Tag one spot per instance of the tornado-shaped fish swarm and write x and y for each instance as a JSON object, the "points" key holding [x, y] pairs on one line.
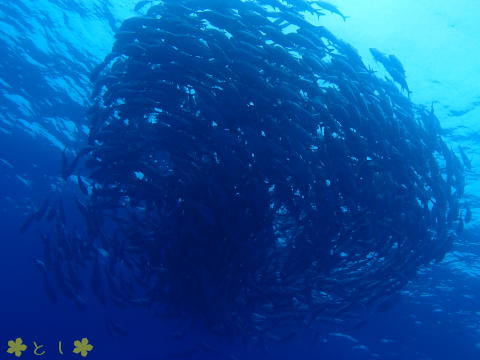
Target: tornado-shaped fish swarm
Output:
{"points": [[247, 169]]}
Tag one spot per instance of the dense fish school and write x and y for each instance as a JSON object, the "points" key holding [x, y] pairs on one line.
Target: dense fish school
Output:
{"points": [[246, 169]]}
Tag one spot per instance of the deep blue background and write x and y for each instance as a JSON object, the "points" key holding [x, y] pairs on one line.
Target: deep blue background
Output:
{"points": [[48, 48]]}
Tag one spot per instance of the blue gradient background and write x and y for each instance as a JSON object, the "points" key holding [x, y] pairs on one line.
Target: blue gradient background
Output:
{"points": [[48, 48]]}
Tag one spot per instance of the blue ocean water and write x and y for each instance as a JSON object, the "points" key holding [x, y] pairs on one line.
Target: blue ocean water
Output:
{"points": [[48, 50]]}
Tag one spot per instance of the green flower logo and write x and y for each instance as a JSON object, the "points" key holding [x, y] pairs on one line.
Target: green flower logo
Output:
{"points": [[82, 347], [16, 347]]}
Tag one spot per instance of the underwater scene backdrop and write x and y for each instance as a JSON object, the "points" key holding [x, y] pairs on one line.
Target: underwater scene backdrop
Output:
{"points": [[239, 179]]}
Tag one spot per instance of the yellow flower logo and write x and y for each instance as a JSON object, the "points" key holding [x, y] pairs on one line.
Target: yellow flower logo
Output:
{"points": [[82, 347], [16, 347]]}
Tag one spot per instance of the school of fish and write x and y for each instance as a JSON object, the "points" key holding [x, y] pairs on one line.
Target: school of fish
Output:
{"points": [[245, 168]]}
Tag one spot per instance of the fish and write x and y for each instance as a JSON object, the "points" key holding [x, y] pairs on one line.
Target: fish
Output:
{"points": [[27, 223], [42, 210], [61, 212], [331, 8], [68, 168], [396, 64], [466, 161], [36, 216], [393, 66], [65, 165], [468, 215], [388, 304], [114, 328], [141, 4], [337, 186], [81, 185], [97, 283]]}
